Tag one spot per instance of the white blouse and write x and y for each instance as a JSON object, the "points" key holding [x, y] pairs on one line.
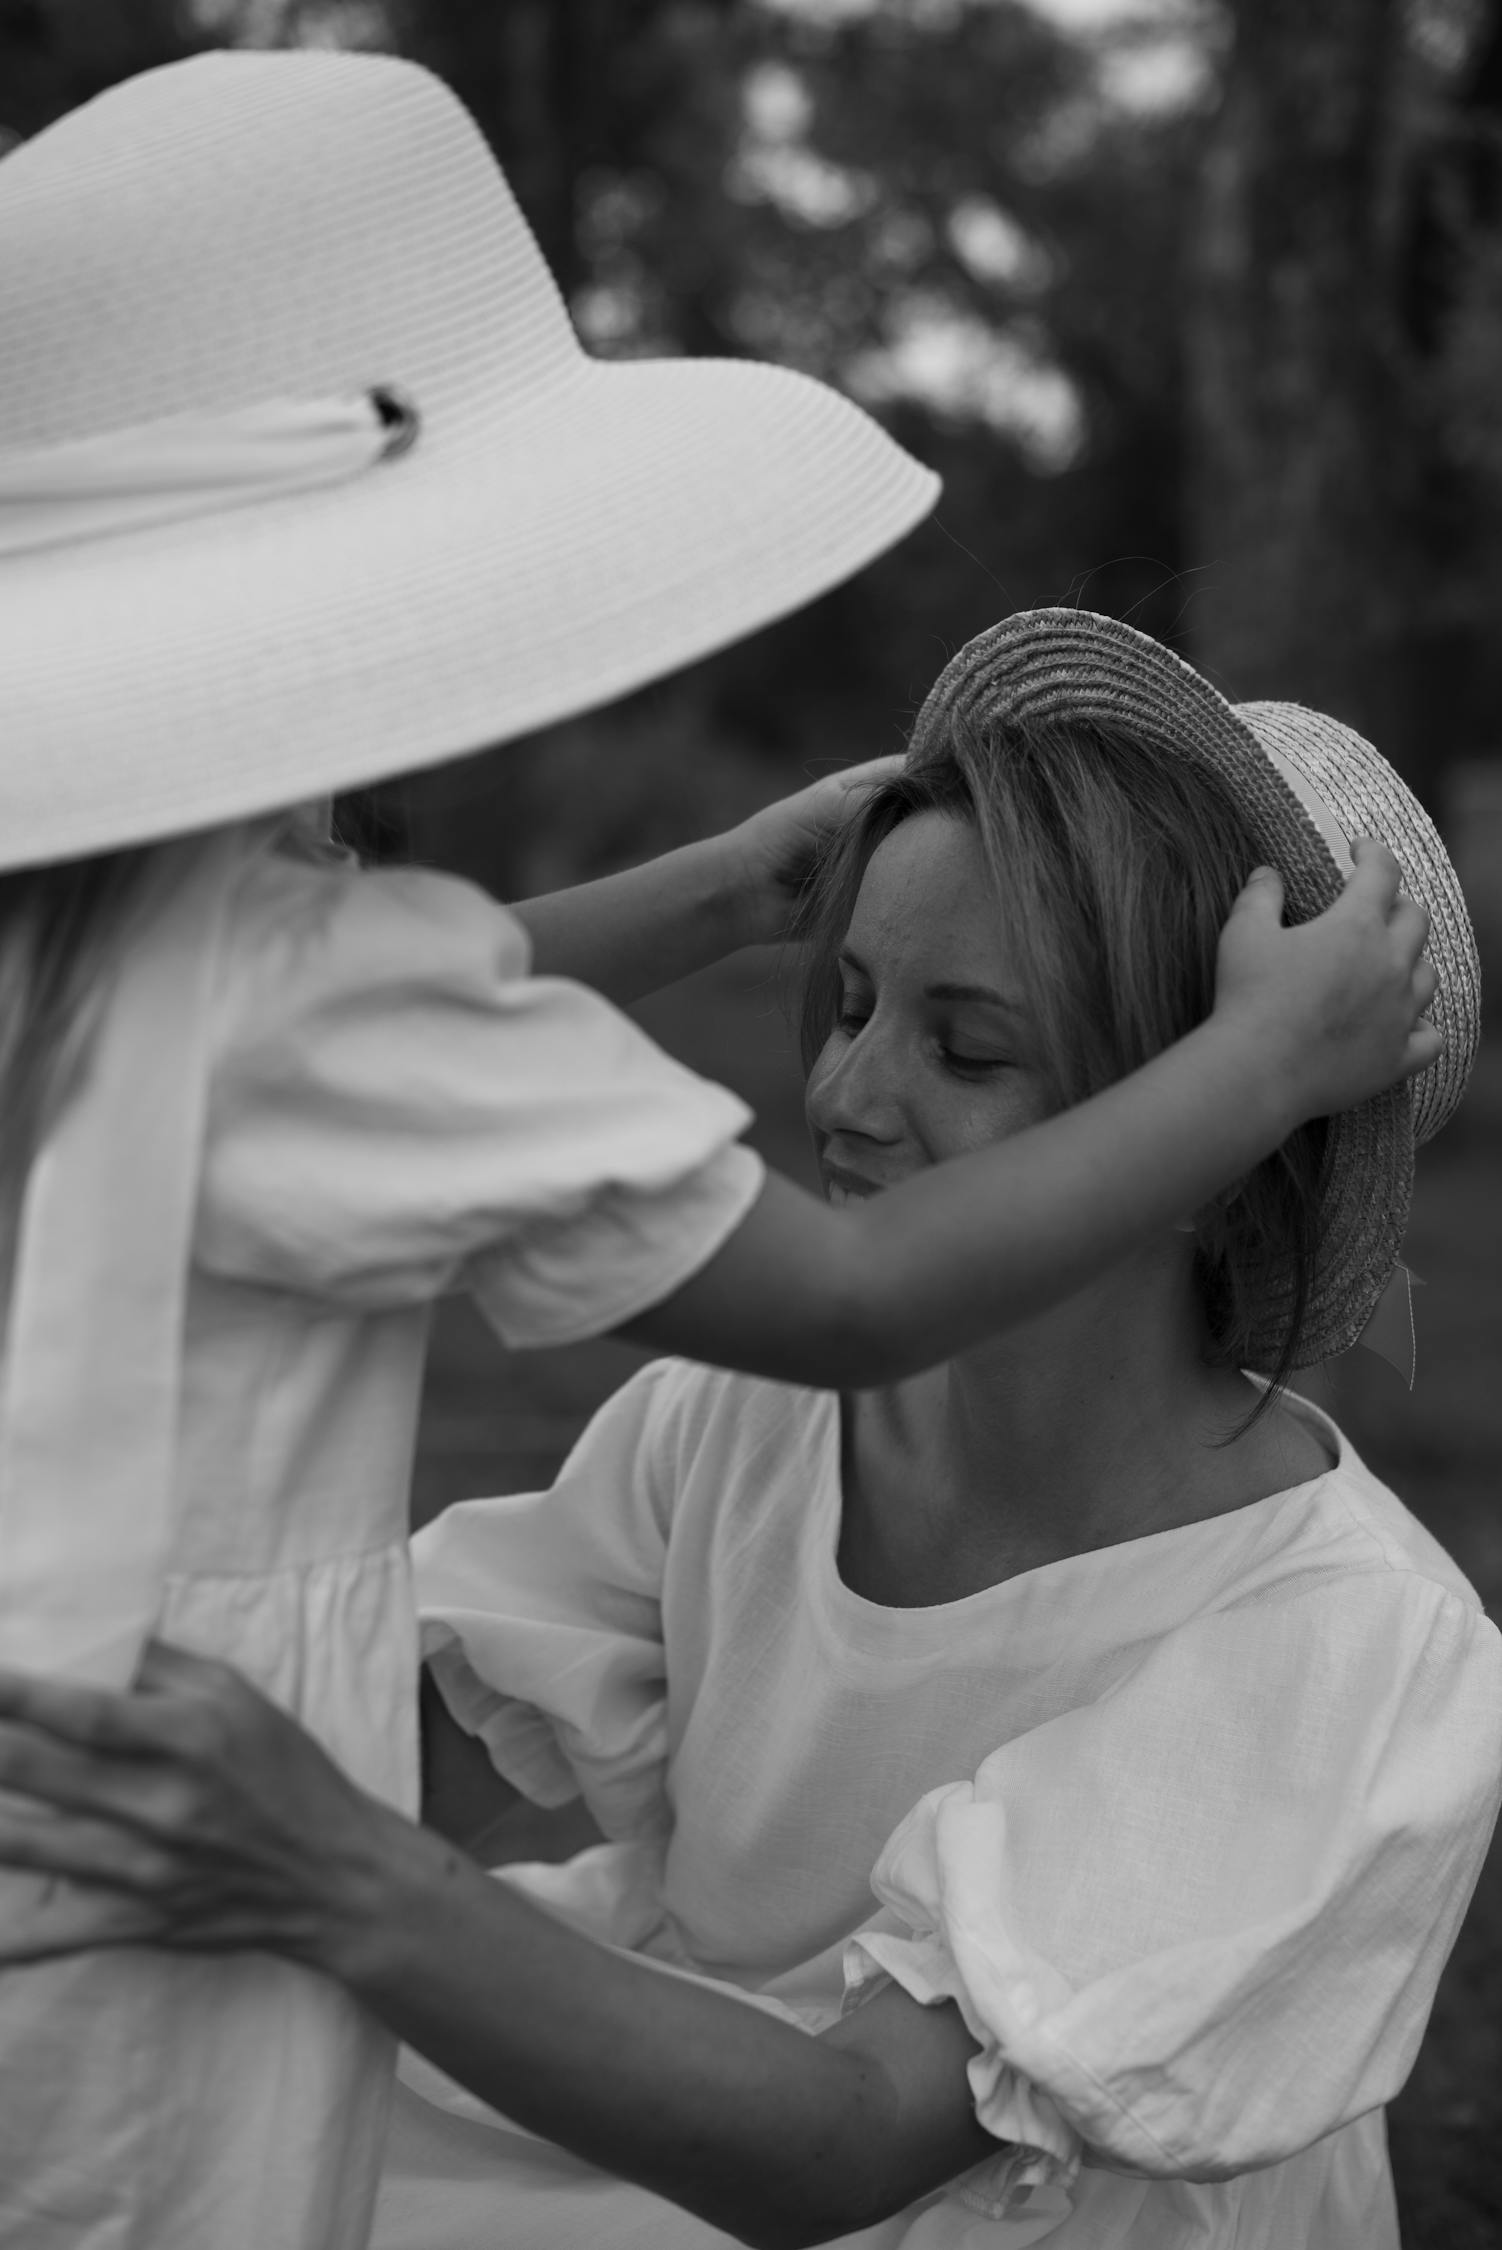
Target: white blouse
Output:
{"points": [[394, 1109], [1185, 1826]]}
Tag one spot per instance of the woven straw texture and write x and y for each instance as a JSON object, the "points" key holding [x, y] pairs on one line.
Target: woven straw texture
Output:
{"points": [[1064, 664], [244, 227]]}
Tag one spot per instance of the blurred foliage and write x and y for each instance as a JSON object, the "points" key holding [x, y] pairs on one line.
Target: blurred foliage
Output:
{"points": [[1199, 314]]}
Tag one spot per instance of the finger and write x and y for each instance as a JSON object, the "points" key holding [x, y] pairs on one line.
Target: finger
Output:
{"points": [[40, 1767], [1375, 878], [1261, 895], [94, 1718], [58, 1775], [870, 772], [166, 1667], [203, 1708], [1425, 985], [1424, 1048], [93, 1851], [75, 1918], [1409, 924]]}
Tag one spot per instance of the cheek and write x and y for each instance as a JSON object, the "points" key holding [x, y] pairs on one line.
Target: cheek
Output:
{"points": [[816, 1085], [963, 1117]]}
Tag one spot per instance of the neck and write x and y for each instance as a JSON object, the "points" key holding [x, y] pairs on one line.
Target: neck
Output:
{"points": [[1099, 1422]]}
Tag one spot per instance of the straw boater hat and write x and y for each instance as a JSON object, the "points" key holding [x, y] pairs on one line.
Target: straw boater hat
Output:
{"points": [[304, 478], [1307, 787]]}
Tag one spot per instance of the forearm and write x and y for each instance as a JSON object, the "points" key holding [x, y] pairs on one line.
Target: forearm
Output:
{"points": [[631, 933], [742, 2119], [851, 1298], [964, 1249]]}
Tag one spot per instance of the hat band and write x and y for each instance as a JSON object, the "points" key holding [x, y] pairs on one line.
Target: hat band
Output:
{"points": [[1333, 836], [185, 465]]}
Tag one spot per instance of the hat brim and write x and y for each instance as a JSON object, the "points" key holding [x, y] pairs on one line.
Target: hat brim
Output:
{"points": [[1061, 665], [506, 573]]}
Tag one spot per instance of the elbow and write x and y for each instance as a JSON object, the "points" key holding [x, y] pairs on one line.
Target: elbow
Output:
{"points": [[804, 2229], [827, 2203]]}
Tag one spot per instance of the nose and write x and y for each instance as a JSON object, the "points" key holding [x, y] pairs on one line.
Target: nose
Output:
{"points": [[854, 1088]]}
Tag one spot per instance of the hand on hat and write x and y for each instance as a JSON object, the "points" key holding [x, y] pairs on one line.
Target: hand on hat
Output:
{"points": [[1339, 1001], [778, 848]]}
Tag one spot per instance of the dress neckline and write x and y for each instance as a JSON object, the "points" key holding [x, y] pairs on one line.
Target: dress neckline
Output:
{"points": [[1147, 1559]]}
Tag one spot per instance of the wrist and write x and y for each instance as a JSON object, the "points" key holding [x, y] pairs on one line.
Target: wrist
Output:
{"points": [[743, 895], [1255, 1068], [372, 1898]]}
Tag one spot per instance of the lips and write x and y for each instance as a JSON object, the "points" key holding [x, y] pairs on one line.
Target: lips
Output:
{"points": [[842, 1186]]}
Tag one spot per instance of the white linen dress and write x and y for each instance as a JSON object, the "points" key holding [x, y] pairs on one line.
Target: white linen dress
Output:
{"points": [[1185, 1826], [395, 1109]]}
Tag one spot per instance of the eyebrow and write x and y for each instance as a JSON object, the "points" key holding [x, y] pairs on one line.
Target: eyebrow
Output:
{"points": [[981, 992], [985, 994]]}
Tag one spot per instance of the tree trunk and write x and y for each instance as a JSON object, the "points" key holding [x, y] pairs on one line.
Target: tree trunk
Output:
{"points": [[1298, 426]]}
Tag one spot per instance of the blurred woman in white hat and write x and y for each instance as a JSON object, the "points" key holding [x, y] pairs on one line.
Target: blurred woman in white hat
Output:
{"points": [[303, 479]]}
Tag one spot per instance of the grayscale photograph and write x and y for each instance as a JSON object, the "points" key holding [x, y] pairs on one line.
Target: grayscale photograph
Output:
{"points": [[750, 1158]]}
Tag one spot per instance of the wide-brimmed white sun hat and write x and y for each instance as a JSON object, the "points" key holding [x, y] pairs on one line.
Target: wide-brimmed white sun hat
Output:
{"points": [[1307, 787], [305, 479]]}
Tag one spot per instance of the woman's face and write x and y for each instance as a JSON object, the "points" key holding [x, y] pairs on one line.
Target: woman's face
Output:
{"points": [[925, 1060]]}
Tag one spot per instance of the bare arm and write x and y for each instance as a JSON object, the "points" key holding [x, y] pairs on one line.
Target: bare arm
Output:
{"points": [[778, 2138], [631, 933], [195, 1814], [1307, 1021]]}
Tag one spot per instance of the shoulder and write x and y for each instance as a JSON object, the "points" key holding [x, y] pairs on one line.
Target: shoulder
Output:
{"points": [[1342, 1607], [1335, 1532], [698, 1445], [1350, 1525], [720, 1443], [326, 931], [740, 1419]]}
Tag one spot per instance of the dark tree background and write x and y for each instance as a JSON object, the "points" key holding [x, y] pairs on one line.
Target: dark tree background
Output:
{"points": [[1200, 315], [1219, 354]]}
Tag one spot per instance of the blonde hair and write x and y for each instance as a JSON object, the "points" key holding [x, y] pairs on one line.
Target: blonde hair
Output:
{"points": [[1114, 871]]}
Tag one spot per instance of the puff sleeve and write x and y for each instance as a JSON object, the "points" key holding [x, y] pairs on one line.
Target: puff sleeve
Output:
{"points": [[541, 1619], [399, 1109], [1198, 1924]]}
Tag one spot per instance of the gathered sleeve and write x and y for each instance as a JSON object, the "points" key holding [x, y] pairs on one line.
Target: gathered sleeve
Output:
{"points": [[541, 1618], [1197, 1925], [399, 1109]]}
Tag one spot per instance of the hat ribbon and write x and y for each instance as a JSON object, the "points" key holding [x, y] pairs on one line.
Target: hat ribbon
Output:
{"points": [[1332, 835], [89, 1399], [1392, 1332], [185, 465]]}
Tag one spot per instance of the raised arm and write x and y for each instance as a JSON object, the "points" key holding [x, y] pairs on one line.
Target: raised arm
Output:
{"points": [[1307, 1021], [631, 933]]}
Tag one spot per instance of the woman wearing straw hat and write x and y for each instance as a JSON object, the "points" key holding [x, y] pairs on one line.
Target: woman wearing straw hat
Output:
{"points": [[1167, 1740]]}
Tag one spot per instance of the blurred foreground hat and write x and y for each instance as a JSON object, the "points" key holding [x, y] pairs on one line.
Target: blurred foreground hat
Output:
{"points": [[1307, 787], [305, 479]]}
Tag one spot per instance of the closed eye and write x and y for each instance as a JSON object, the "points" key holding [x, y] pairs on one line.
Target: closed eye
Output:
{"points": [[973, 1066]]}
